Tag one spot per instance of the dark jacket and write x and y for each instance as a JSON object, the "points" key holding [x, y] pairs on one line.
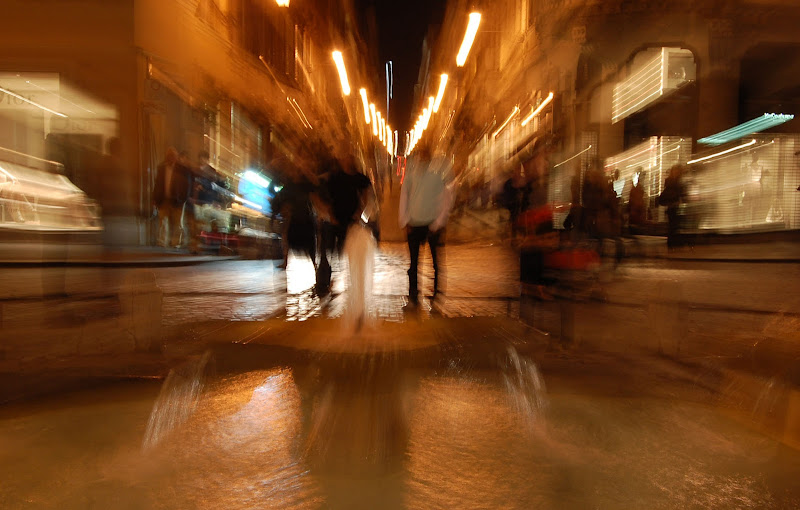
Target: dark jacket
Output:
{"points": [[180, 185]]}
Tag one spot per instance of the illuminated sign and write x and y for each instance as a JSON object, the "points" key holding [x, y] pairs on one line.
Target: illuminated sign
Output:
{"points": [[766, 121], [670, 69]]}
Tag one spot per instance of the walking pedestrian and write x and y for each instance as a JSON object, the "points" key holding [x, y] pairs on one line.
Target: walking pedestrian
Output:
{"points": [[171, 191], [637, 210], [671, 197], [425, 201], [515, 197], [345, 190], [293, 203]]}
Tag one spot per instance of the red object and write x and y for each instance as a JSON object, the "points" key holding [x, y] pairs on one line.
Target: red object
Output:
{"points": [[219, 239], [578, 260], [534, 217]]}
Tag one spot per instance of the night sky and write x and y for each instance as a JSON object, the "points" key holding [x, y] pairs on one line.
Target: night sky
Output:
{"points": [[402, 25]]}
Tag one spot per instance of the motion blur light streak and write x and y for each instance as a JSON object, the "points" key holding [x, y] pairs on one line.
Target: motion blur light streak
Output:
{"points": [[706, 158], [469, 38], [257, 178], [31, 157], [337, 57], [6, 173], [573, 157], [60, 97], [766, 121], [440, 94], [514, 112], [34, 103], [538, 109], [365, 103], [302, 114], [374, 116], [247, 202], [222, 146]]}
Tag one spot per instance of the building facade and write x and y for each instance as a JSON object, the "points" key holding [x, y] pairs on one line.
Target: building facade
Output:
{"points": [[621, 83], [107, 87]]}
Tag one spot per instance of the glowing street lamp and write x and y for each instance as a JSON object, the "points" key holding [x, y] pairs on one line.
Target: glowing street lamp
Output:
{"points": [[365, 103], [538, 109], [442, 85], [469, 38], [337, 57], [374, 119]]}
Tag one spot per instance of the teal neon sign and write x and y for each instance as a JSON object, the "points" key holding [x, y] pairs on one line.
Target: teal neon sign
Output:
{"points": [[766, 121]]}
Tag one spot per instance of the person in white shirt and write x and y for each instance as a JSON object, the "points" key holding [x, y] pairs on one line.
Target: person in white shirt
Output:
{"points": [[425, 201]]}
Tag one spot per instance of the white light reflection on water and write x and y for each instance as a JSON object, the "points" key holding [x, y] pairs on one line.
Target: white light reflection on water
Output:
{"points": [[239, 449], [177, 400], [330, 434]]}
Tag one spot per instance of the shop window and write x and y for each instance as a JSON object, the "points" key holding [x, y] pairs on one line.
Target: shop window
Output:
{"points": [[54, 156]]}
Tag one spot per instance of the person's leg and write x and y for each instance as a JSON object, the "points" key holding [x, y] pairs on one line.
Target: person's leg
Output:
{"points": [[672, 227], [416, 235], [326, 247], [193, 226], [436, 242], [163, 226], [176, 225]]}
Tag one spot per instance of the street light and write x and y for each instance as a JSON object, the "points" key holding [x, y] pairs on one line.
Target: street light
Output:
{"points": [[374, 119], [364, 102], [442, 85], [469, 37], [538, 109], [337, 57]]}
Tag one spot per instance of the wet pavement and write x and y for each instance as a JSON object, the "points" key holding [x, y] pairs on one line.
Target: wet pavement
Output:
{"points": [[482, 415], [272, 399]]}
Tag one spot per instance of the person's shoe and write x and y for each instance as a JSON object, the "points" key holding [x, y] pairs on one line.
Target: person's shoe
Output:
{"points": [[411, 306]]}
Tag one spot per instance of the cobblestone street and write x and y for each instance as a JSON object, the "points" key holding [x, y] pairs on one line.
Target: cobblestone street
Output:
{"points": [[481, 280]]}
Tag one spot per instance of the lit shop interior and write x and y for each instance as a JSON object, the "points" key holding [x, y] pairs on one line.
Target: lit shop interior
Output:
{"points": [[53, 141]]}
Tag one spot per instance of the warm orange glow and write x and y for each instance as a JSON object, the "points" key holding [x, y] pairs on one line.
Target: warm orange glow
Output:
{"points": [[469, 38], [365, 104], [442, 85], [374, 119], [538, 109], [337, 57]]}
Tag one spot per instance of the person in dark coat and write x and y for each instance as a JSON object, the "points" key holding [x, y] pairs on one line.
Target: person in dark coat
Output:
{"points": [[172, 187], [293, 204], [344, 190], [671, 197], [515, 197], [637, 208]]}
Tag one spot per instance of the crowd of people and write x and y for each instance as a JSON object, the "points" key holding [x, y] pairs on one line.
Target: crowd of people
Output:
{"points": [[321, 210]]}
